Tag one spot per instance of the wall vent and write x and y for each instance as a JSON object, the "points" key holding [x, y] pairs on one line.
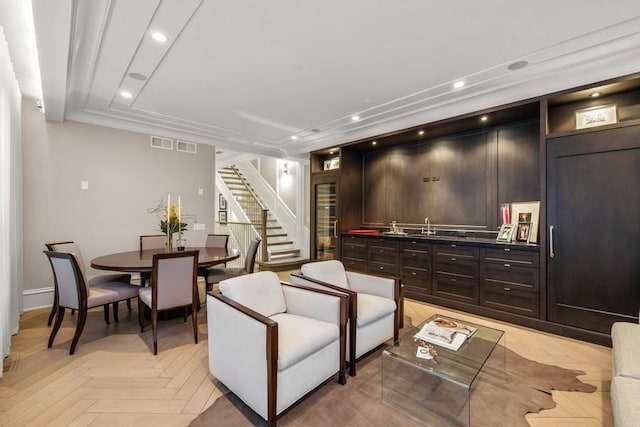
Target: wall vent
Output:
{"points": [[186, 147], [163, 143]]}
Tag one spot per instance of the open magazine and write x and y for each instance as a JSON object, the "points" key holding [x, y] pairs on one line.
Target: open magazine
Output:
{"points": [[445, 333]]}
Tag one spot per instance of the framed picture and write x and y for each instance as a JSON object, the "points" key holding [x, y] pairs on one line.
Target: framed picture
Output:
{"points": [[505, 233], [596, 116], [222, 216], [523, 232], [333, 163], [223, 203], [528, 212]]}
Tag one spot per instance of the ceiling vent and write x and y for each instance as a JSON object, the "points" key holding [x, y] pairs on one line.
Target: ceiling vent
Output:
{"points": [[186, 147], [163, 143]]}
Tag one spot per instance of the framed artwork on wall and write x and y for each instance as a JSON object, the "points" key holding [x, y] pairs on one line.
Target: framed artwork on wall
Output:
{"points": [[222, 216], [223, 203], [596, 116]]}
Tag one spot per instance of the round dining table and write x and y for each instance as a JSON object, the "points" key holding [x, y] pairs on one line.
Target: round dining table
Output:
{"points": [[141, 261]]}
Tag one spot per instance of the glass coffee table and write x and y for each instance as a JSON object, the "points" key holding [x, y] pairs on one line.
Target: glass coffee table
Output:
{"points": [[438, 391]]}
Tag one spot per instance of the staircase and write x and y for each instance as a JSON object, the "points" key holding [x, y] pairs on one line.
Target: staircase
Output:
{"points": [[280, 248]]}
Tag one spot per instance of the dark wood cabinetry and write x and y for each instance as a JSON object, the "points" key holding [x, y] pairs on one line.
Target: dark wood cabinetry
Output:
{"points": [[415, 268], [509, 281], [456, 272], [593, 256]]}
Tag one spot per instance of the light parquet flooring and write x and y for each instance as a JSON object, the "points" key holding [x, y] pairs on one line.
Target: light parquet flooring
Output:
{"points": [[114, 379]]}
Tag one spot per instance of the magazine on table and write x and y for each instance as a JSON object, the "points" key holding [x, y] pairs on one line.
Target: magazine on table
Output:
{"points": [[446, 333]]}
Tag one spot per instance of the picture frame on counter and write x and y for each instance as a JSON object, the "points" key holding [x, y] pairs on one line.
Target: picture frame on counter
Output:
{"points": [[596, 116], [523, 232], [506, 232], [529, 211]]}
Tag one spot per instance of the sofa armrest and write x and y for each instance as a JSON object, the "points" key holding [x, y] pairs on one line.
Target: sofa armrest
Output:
{"points": [[387, 287], [243, 348]]}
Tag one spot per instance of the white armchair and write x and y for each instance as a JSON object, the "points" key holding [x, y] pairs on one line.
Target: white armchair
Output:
{"points": [[374, 304], [271, 343]]}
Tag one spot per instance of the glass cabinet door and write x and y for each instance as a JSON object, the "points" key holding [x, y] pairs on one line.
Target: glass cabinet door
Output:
{"points": [[326, 225]]}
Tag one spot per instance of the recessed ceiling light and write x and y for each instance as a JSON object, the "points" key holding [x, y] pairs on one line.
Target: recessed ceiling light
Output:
{"points": [[293, 137], [331, 152], [459, 84], [126, 94], [595, 94], [517, 65], [138, 76], [374, 142], [420, 132], [484, 118], [159, 37], [355, 118]]}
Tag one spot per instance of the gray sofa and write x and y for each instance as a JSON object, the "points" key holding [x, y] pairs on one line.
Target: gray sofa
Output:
{"points": [[625, 374]]}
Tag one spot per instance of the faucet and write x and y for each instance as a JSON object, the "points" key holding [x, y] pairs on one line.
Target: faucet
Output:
{"points": [[428, 232], [394, 229]]}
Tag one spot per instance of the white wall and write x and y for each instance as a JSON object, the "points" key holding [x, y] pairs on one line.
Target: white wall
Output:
{"points": [[125, 176]]}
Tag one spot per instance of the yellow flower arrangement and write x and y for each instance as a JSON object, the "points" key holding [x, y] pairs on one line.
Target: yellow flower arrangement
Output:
{"points": [[173, 224]]}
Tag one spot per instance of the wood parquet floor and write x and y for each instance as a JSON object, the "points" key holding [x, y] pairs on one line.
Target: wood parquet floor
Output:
{"points": [[114, 379]]}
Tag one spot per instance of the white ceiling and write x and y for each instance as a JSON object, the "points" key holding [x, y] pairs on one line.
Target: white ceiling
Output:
{"points": [[247, 75]]}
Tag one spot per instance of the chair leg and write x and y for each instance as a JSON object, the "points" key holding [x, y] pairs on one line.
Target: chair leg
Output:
{"points": [[82, 318], [54, 307], [115, 312], [154, 327], [56, 326], [129, 304], [194, 320], [141, 314], [106, 314], [186, 313]]}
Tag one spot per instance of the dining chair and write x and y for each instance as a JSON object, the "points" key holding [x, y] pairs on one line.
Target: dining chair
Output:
{"points": [[72, 247], [153, 241], [75, 293], [173, 285], [147, 242], [216, 275]]}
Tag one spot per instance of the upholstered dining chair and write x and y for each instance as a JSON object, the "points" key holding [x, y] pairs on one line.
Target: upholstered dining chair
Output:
{"points": [[74, 248], [216, 275], [75, 293], [374, 303], [271, 343], [147, 242], [173, 285]]}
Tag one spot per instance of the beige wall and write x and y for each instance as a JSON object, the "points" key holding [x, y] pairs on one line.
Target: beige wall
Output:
{"points": [[126, 177]]}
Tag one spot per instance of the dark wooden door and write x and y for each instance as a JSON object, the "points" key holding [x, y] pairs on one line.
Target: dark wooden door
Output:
{"points": [[593, 257]]}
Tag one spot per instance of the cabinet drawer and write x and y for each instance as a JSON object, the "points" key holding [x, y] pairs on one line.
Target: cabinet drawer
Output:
{"points": [[455, 287], [382, 242], [511, 256], [353, 240], [383, 254], [353, 250], [353, 264], [453, 265], [523, 277], [455, 250], [416, 245], [383, 269], [416, 277], [417, 259], [510, 298]]}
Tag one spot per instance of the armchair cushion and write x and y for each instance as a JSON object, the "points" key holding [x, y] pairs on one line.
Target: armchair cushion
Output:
{"points": [[625, 337], [267, 298], [372, 308], [300, 337], [328, 271]]}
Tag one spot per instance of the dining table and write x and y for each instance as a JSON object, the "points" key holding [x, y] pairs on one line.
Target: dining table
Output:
{"points": [[141, 261]]}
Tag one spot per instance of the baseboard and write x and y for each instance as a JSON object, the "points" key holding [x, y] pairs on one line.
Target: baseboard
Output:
{"points": [[35, 299]]}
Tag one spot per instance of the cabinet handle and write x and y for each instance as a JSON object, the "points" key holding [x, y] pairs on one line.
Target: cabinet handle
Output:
{"points": [[507, 289], [551, 252], [454, 259], [453, 245], [335, 228], [413, 273], [453, 280], [507, 265], [413, 255], [381, 268], [507, 250]]}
